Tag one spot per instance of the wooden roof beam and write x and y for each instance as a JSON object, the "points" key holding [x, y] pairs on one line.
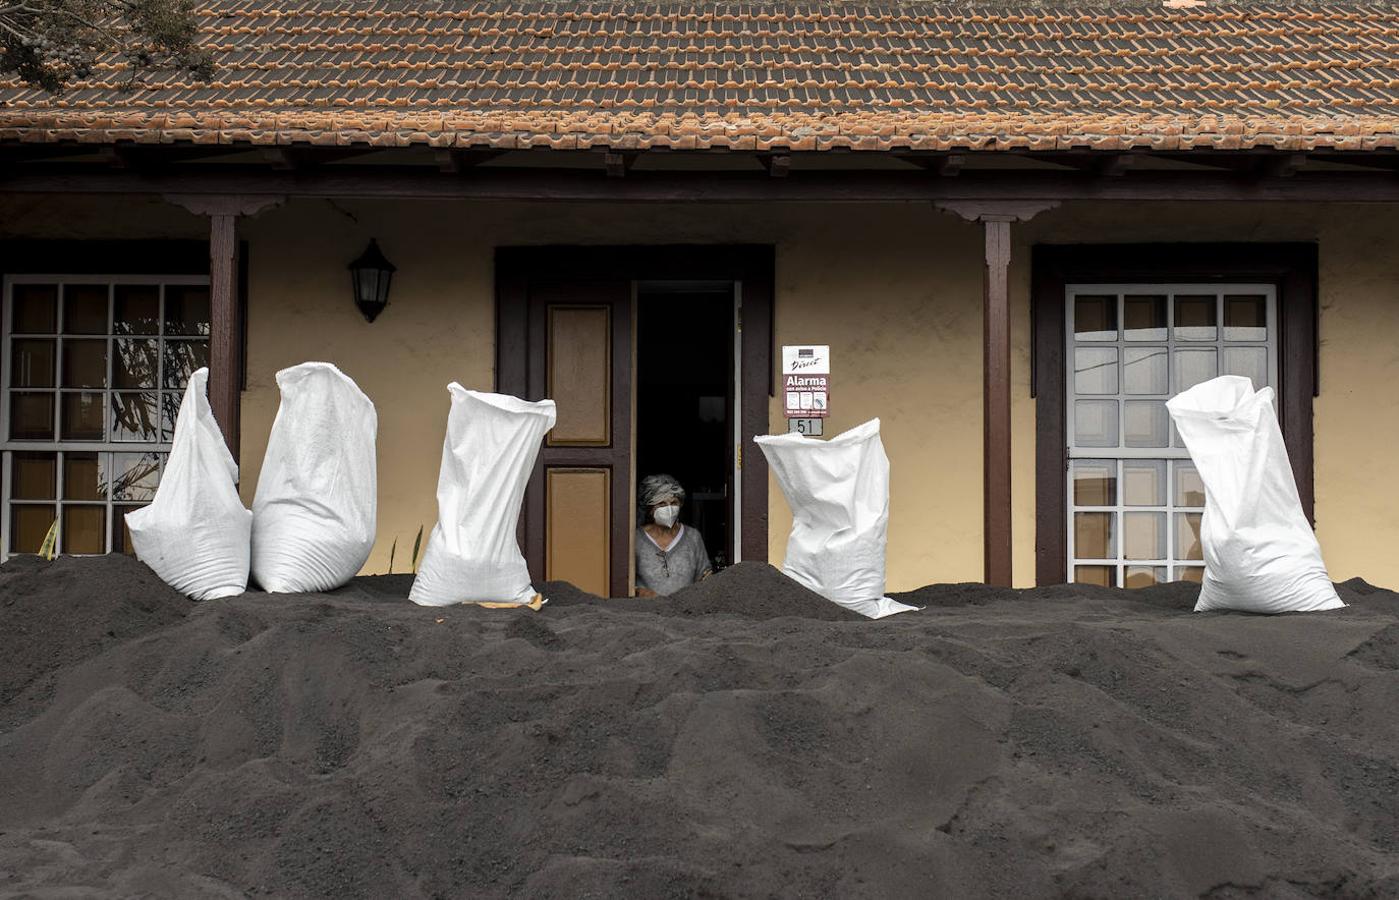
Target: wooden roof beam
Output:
{"points": [[949, 164], [617, 163], [778, 165], [455, 161]]}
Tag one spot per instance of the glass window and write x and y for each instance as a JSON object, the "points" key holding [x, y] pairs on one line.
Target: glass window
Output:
{"points": [[96, 373], [1136, 501]]}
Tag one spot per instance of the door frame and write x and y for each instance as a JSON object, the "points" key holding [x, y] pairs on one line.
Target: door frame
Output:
{"points": [[751, 266], [1290, 267]]}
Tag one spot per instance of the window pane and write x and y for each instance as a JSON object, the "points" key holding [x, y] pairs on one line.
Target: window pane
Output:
{"points": [[1095, 370], [1194, 367], [181, 359], [1095, 317], [31, 416], [1245, 317], [169, 414], [1190, 489], [1095, 423], [82, 416], [121, 535], [1144, 370], [1147, 424], [84, 529], [1144, 535], [32, 363], [136, 417], [135, 476], [1188, 536], [1093, 535], [85, 364], [35, 308], [1143, 576], [84, 309], [29, 525], [82, 477], [187, 309], [1196, 317], [1144, 317], [33, 476], [1095, 482], [137, 309], [1190, 573], [1250, 362], [136, 364], [1144, 482], [1103, 576]]}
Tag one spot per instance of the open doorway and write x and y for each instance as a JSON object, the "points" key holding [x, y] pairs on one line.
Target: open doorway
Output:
{"points": [[685, 408]]}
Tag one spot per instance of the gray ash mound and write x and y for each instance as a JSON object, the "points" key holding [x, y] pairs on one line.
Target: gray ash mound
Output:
{"points": [[55, 614], [749, 589], [1058, 742]]}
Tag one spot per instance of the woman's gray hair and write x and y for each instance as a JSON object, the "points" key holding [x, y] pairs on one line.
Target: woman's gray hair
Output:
{"points": [[655, 488]]}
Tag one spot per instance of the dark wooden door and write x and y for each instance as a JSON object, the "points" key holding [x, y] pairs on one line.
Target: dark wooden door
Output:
{"points": [[578, 508]]}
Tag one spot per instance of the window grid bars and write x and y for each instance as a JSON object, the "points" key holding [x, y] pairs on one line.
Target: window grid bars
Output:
{"points": [[58, 446], [1173, 452]]}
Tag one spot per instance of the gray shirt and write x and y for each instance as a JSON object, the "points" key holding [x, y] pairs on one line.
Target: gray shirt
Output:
{"points": [[666, 571]]}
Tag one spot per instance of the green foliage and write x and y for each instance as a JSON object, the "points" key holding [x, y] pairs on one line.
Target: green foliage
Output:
{"points": [[393, 548], [51, 43], [49, 548], [418, 542]]}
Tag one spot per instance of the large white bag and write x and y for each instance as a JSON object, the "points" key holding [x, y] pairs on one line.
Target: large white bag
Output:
{"points": [[1260, 554], [313, 514], [195, 533], [839, 494], [472, 555]]}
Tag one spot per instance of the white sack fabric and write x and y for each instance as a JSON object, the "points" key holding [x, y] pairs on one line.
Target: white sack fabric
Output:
{"points": [[1261, 556], [839, 494], [195, 533], [313, 514], [472, 555]]}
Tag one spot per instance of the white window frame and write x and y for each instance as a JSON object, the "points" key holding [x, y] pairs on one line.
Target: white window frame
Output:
{"points": [[59, 446], [1170, 454]]}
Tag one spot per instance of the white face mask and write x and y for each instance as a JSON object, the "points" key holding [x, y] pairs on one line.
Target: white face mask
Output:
{"points": [[666, 516]]}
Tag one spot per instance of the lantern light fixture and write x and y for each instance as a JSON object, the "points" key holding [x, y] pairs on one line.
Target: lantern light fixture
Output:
{"points": [[370, 275]]}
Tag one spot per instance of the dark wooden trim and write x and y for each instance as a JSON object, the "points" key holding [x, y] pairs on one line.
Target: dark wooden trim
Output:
{"points": [[880, 186], [77, 257], [242, 316], [225, 327], [995, 419], [750, 265], [1291, 267]]}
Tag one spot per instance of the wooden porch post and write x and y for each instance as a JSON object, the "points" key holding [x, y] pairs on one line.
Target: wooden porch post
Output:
{"points": [[995, 404], [995, 219], [225, 315]]}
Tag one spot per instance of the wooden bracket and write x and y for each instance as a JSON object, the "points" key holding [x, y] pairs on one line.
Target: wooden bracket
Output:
{"points": [[226, 204], [456, 161], [617, 163], [996, 210], [777, 164]]}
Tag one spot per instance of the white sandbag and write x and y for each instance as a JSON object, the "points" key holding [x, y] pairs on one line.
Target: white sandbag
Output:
{"points": [[472, 555], [195, 533], [1261, 556], [839, 494], [314, 511]]}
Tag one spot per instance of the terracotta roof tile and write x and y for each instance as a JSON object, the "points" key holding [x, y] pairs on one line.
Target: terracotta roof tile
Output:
{"points": [[770, 75]]}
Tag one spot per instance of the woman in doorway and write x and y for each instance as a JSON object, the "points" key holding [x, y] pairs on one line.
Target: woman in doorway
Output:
{"points": [[669, 556]]}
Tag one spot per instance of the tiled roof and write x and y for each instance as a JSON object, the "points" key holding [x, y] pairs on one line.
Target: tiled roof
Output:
{"points": [[758, 75]]}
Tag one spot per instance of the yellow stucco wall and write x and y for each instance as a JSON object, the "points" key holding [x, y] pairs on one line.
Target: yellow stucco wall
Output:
{"points": [[894, 289]]}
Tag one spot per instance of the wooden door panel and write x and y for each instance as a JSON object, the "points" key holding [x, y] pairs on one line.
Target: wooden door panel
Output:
{"points": [[580, 374], [579, 530]]}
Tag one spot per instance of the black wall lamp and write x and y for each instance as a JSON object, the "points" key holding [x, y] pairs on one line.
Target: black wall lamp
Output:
{"points": [[370, 275]]}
